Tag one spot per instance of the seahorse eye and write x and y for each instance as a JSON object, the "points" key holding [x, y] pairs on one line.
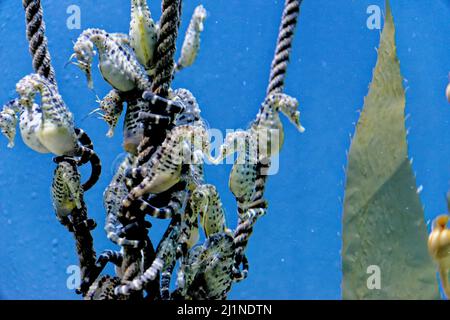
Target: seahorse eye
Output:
{"points": [[198, 195], [25, 100]]}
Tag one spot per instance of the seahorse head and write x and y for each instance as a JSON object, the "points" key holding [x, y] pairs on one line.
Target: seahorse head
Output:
{"points": [[289, 107], [8, 122], [199, 200], [191, 111], [27, 88], [84, 53], [212, 216], [110, 110], [199, 16]]}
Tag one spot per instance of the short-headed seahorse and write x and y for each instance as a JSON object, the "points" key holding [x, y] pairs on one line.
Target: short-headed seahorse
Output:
{"points": [[110, 109], [8, 122], [67, 192], [164, 167], [191, 44], [56, 130], [118, 63], [143, 33], [268, 127], [206, 272], [206, 202]]}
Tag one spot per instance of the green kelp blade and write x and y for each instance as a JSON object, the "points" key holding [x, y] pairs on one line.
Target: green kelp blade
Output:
{"points": [[384, 252]]}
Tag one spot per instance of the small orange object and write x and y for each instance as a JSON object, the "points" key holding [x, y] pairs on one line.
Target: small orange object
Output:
{"points": [[439, 249]]}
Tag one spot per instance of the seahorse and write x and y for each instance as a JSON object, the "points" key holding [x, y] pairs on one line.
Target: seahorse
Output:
{"points": [[8, 122], [67, 192], [56, 131], [191, 43], [206, 202], [112, 200], [164, 262], [52, 124], [207, 271], [118, 63], [110, 109], [268, 127], [29, 123], [164, 167], [247, 180], [143, 33]]}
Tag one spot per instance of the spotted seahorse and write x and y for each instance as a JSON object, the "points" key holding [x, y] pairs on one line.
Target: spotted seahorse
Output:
{"points": [[191, 43], [143, 33], [118, 63]]}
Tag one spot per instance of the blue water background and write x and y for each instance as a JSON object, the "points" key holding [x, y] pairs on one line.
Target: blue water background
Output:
{"points": [[295, 249]]}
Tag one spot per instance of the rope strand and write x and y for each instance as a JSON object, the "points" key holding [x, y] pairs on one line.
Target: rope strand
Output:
{"points": [[284, 44], [165, 53], [41, 60], [166, 46], [37, 40]]}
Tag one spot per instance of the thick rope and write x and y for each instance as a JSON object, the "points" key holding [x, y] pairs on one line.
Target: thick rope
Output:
{"points": [[84, 241], [278, 69], [37, 40], [165, 53], [166, 46], [276, 85], [38, 47], [284, 44]]}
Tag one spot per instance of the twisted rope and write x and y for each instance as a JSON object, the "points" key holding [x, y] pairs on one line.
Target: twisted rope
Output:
{"points": [[37, 40], [165, 52], [41, 60], [276, 85], [278, 70], [284, 44], [84, 242], [166, 46]]}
